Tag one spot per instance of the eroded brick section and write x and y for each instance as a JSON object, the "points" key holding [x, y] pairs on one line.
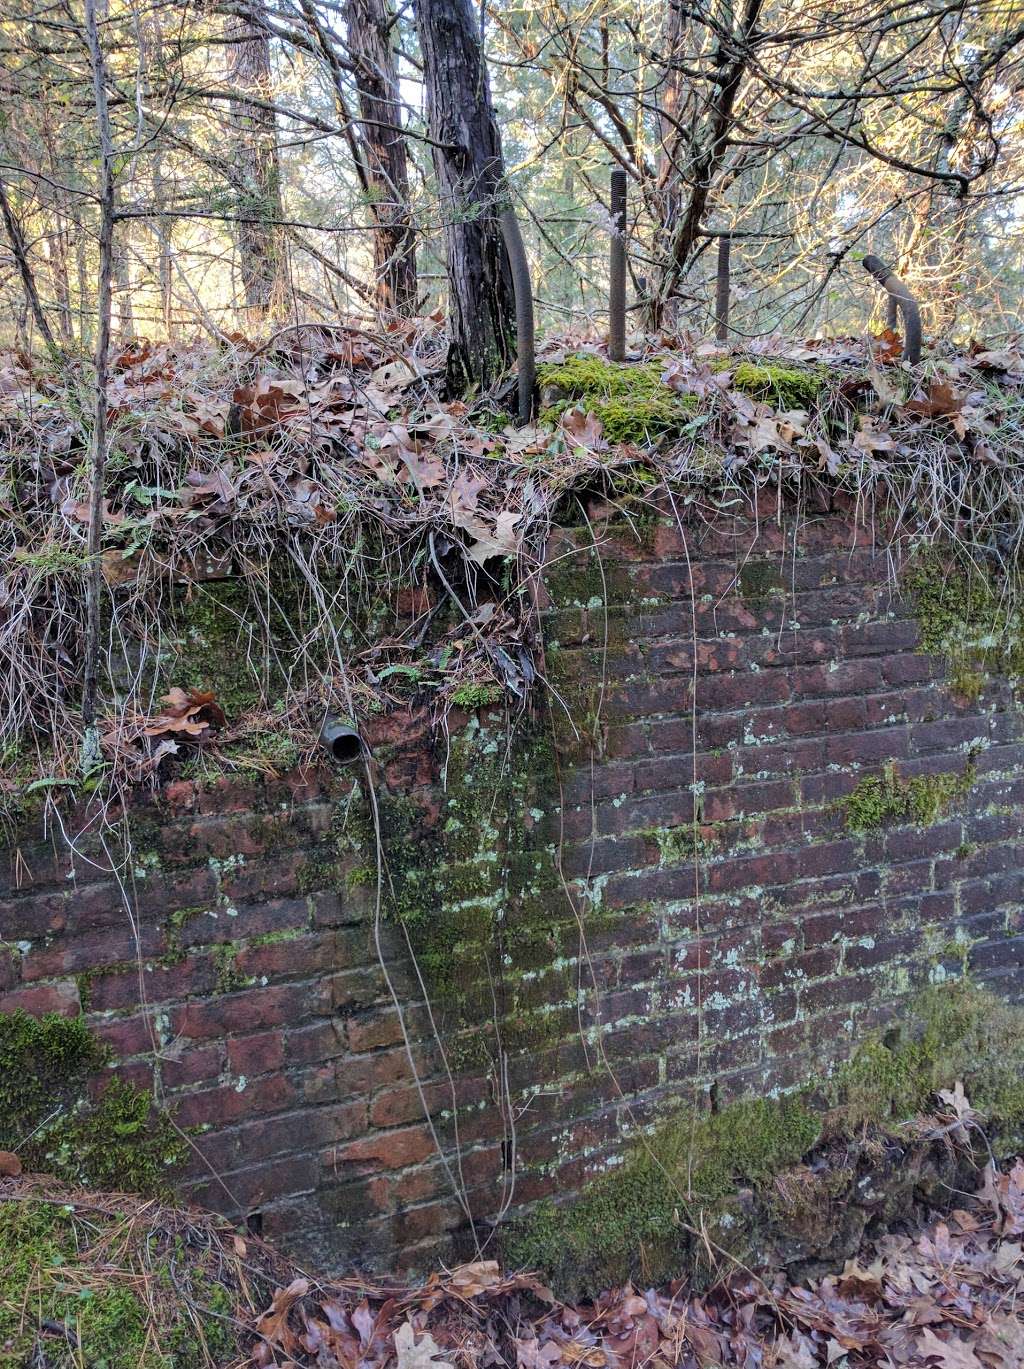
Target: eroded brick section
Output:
{"points": [[741, 960]]}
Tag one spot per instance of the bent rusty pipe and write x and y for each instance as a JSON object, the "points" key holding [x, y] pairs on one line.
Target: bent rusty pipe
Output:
{"points": [[617, 269], [722, 288], [523, 290], [900, 296]]}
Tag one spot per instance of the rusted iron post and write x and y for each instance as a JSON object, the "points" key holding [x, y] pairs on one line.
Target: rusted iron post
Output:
{"points": [[617, 269], [722, 288], [905, 301], [524, 311]]}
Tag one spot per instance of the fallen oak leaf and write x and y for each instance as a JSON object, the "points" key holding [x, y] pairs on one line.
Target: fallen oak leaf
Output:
{"points": [[942, 401], [273, 1326], [422, 1355]]}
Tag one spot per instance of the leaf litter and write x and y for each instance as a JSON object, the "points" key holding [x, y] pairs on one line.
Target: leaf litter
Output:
{"points": [[945, 1297]]}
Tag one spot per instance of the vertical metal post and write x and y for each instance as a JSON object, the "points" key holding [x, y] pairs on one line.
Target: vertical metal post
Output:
{"points": [[617, 269], [722, 288]]}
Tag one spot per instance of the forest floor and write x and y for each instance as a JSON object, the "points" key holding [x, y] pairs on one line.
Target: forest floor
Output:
{"points": [[111, 1281]]}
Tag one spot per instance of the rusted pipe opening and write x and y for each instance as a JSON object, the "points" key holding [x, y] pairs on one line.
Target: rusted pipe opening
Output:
{"points": [[901, 296], [342, 741]]}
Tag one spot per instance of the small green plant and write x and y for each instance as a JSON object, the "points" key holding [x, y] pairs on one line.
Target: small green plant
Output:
{"points": [[474, 695]]}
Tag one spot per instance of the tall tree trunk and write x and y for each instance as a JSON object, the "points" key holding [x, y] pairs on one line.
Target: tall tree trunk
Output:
{"points": [[57, 257], [394, 243], [260, 240], [470, 176], [124, 308]]}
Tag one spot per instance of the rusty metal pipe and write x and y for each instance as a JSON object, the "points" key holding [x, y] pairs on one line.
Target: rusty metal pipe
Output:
{"points": [[904, 300], [341, 741], [617, 269], [722, 288], [523, 288]]}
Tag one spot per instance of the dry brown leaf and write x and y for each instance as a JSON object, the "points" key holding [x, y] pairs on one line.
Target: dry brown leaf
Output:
{"points": [[10, 1165]]}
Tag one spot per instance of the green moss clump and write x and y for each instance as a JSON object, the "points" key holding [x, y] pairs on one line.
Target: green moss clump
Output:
{"points": [[474, 695], [678, 844], [923, 799], [646, 1220], [784, 387], [118, 1140], [632, 402]]}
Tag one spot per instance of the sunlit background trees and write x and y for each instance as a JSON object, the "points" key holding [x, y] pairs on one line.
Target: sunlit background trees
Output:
{"points": [[283, 160]]}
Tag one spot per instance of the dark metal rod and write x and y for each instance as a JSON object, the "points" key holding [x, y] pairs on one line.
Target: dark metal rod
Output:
{"points": [[722, 288], [906, 303], [524, 311], [617, 269]]}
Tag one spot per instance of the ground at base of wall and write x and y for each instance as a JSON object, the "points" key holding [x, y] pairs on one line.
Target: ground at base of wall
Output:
{"points": [[115, 1283]]}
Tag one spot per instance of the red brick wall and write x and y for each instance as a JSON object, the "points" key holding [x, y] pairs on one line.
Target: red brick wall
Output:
{"points": [[264, 1014]]}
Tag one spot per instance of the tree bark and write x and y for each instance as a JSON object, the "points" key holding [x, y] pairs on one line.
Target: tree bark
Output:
{"points": [[259, 237], [394, 242], [470, 175]]}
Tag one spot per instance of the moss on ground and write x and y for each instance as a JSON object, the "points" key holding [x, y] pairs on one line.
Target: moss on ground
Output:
{"points": [[121, 1304], [783, 387], [632, 402], [923, 799], [117, 1139], [645, 1220]]}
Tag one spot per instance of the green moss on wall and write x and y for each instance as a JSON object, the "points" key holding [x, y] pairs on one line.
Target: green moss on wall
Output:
{"points": [[637, 1221], [968, 616], [760, 582], [646, 1220], [953, 1033], [475, 890], [117, 1140], [631, 401], [923, 799]]}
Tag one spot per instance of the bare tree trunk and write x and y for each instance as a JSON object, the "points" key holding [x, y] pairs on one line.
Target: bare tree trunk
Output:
{"points": [[704, 166], [98, 449], [123, 288], [260, 240], [394, 242], [470, 175], [57, 257], [28, 281]]}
